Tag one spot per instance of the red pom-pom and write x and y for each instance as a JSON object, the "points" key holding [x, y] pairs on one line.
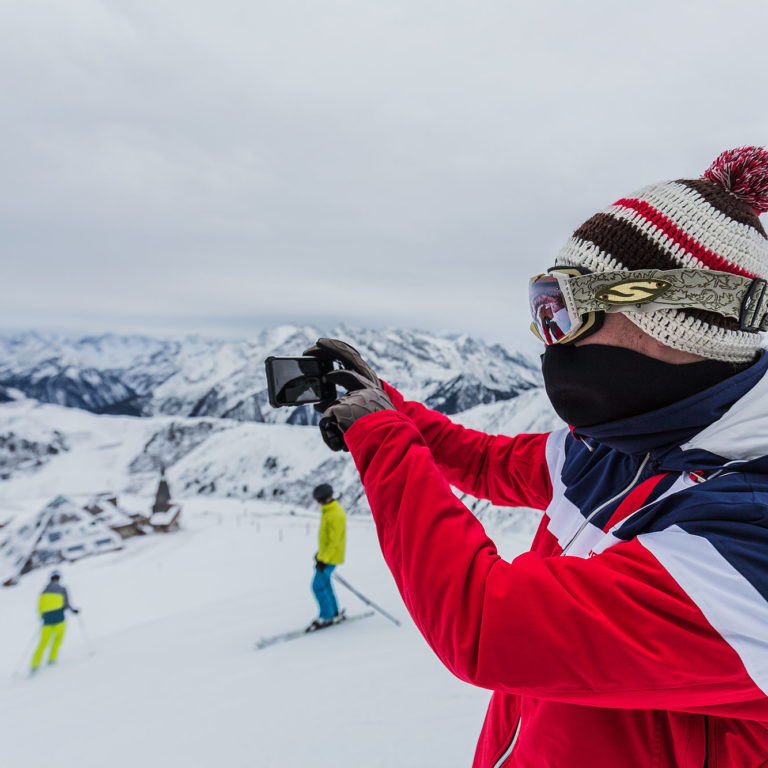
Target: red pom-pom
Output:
{"points": [[743, 171]]}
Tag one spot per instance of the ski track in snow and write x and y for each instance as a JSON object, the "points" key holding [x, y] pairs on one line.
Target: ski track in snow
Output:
{"points": [[167, 673]]}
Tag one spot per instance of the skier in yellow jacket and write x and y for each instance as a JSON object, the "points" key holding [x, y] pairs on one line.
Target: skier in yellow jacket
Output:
{"points": [[53, 602], [330, 553]]}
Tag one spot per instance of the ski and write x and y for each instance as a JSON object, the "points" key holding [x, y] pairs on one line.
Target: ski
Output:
{"points": [[284, 637]]}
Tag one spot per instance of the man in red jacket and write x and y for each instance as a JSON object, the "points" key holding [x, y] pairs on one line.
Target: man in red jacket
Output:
{"points": [[635, 631]]}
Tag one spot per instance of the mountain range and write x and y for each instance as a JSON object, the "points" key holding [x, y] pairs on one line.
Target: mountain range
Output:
{"points": [[104, 413], [140, 376]]}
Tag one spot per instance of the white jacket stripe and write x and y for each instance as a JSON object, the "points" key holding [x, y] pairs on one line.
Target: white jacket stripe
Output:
{"points": [[728, 601]]}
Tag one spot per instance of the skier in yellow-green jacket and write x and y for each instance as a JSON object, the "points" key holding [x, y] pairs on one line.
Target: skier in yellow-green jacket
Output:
{"points": [[332, 539], [51, 605]]}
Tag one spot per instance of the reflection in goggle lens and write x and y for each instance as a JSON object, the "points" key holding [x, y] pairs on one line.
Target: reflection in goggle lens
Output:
{"points": [[548, 310]]}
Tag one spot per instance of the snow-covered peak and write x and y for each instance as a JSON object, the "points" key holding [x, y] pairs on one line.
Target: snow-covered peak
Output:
{"points": [[138, 375]]}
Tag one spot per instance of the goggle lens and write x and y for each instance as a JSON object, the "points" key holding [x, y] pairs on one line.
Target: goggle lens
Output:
{"points": [[551, 321]]}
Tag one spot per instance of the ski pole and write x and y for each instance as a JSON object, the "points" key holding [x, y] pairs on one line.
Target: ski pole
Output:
{"points": [[345, 583], [86, 637], [25, 657]]}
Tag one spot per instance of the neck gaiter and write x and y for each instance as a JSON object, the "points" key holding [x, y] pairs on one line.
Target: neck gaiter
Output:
{"points": [[596, 383]]}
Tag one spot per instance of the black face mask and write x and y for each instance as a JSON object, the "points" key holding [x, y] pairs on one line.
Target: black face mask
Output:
{"points": [[595, 384]]}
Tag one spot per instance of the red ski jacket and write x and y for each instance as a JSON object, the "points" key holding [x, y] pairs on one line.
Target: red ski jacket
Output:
{"points": [[646, 645]]}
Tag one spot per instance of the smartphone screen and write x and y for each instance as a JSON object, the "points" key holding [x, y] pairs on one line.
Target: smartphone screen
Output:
{"points": [[298, 380]]}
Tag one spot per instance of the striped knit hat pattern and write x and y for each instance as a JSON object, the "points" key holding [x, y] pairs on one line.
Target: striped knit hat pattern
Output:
{"points": [[707, 223]]}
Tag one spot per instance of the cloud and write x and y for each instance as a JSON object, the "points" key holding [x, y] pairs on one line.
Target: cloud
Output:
{"points": [[401, 161]]}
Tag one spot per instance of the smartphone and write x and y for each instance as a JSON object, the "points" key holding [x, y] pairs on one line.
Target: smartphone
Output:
{"points": [[298, 380]]}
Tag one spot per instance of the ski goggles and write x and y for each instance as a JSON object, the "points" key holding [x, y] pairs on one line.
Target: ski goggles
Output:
{"points": [[569, 303]]}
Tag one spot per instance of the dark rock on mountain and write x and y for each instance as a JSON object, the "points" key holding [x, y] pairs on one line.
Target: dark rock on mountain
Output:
{"points": [[18, 453], [465, 391], [169, 445], [87, 389]]}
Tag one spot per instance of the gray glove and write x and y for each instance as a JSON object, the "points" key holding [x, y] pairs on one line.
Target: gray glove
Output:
{"points": [[342, 352], [363, 397]]}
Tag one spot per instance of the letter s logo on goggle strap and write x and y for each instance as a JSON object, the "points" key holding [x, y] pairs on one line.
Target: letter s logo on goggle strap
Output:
{"points": [[633, 291]]}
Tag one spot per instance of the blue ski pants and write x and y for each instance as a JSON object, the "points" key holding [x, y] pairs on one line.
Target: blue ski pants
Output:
{"points": [[324, 594]]}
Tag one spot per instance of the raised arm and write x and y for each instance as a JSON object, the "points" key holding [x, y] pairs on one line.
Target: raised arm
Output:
{"points": [[559, 628], [510, 471]]}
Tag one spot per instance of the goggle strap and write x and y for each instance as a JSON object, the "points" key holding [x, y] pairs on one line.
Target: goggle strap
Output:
{"points": [[647, 290], [754, 308]]}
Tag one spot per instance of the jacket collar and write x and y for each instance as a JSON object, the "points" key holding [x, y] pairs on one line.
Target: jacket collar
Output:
{"points": [[704, 415]]}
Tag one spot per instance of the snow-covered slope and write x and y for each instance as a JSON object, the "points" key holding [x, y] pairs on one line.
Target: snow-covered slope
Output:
{"points": [[77, 454], [205, 416], [162, 670]]}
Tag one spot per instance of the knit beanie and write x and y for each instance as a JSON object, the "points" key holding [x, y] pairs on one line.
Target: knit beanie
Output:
{"points": [[707, 223]]}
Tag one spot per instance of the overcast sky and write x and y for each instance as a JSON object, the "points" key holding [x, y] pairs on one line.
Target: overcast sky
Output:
{"points": [[216, 167]]}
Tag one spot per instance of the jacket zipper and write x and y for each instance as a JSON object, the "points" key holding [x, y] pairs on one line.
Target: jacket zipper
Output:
{"points": [[706, 741], [508, 750], [606, 503]]}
